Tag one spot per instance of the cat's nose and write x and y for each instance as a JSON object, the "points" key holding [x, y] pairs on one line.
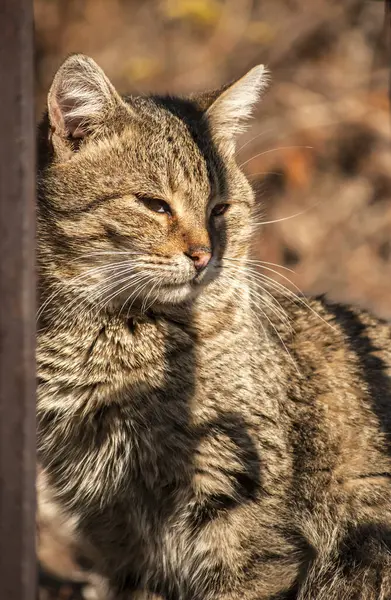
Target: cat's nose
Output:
{"points": [[200, 257]]}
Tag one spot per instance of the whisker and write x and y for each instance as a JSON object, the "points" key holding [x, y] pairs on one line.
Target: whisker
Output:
{"points": [[298, 298], [279, 174], [127, 252], [254, 138], [280, 338], [302, 212], [235, 284], [136, 293], [144, 306], [277, 310], [157, 295], [94, 291], [259, 262], [77, 278], [97, 290], [107, 253], [129, 280], [272, 150], [101, 269]]}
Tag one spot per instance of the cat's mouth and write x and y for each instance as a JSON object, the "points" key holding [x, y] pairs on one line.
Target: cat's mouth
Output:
{"points": [[172, 292], [178, 286]]}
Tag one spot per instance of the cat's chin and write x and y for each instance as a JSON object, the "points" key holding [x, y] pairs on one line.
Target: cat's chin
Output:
{"points": [[177, 293], [168, 294]]}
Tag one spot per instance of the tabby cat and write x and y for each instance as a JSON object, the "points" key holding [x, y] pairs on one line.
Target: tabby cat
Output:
{"points": [[200, 437]]}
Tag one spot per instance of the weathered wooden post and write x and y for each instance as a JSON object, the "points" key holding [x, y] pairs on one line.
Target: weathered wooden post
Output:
{"points": [[17, 302], [387, 27]]}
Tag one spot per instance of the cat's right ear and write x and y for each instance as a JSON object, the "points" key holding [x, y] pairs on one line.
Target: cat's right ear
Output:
{"points": [[80, 100], [229, 108]]}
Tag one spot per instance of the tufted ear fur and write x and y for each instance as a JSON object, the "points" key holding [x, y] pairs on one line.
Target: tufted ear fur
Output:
{"points": [[81, 98], [228, 113]]}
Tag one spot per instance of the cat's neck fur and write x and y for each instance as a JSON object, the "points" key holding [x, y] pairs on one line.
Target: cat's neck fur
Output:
{"points": [[71, 310], [136, 384], [104, 349]]}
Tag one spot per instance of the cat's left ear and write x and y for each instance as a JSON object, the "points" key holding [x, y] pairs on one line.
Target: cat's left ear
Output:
{"points": [[229, 112]]}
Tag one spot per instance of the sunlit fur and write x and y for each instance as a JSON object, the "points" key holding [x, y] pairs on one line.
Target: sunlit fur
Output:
{"points": [[201, 435]]}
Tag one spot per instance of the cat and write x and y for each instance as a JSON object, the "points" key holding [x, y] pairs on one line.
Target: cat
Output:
{"points": [[205, 437]]}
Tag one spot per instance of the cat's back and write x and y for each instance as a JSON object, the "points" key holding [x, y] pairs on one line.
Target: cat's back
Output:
{"points": [[339, 404], [342, 343]]}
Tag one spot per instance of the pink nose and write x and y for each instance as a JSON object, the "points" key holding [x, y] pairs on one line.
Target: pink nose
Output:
{"points": [[200, 257]]}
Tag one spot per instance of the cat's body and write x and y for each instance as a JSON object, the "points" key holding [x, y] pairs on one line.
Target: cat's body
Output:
{"points": [[199, 452]]}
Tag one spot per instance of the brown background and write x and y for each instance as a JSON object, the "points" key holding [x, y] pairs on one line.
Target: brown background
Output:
{"points": [[320, 141], [329, 91]]}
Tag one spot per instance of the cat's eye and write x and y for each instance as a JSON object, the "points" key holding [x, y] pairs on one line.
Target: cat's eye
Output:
{"points": [[155, 204], [219, 209]]}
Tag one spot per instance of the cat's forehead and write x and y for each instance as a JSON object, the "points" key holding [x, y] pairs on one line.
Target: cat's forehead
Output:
{"points": [[170, 151], [153, 152]]}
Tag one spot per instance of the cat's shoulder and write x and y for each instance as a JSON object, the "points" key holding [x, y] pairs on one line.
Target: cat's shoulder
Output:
{"points": [[338, 327]]}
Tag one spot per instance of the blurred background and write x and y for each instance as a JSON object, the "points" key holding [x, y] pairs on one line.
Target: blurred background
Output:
{"points": [[320, 141], [318, 151]]}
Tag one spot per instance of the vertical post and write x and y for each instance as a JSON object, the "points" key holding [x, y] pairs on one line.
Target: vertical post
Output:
{"points": [[17, 296], [387, 33]]}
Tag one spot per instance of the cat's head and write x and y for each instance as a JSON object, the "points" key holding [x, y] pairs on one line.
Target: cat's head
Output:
{"points": [[141, 198]]}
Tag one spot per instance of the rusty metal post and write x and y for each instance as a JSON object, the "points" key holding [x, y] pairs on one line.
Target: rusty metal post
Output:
{"points": [[17, 302]]}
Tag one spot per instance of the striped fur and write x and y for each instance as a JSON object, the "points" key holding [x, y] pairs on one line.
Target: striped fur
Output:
{"points": [[201, 447]]}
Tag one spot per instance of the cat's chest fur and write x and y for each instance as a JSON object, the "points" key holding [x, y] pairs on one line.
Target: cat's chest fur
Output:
{"points": [[149, 420], [138, 392]]}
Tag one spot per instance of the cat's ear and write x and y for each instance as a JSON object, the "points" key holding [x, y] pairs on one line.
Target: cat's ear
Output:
{"points": [[81, 98], [229, 112]]}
